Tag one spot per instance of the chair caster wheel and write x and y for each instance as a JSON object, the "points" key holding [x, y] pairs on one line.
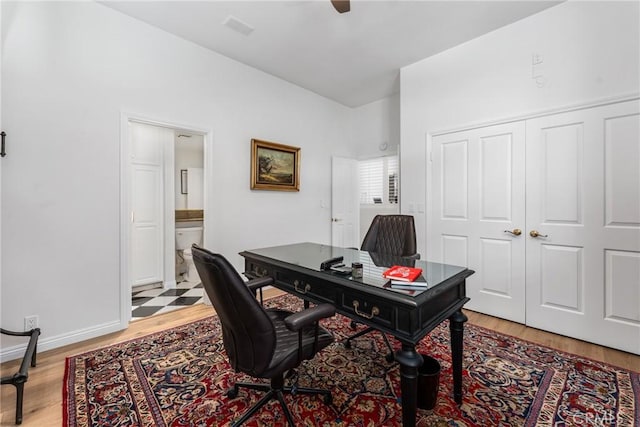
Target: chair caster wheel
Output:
{"points": [[328, 399], [347, 344], [232, 393], [390, 357], [353, 325]]}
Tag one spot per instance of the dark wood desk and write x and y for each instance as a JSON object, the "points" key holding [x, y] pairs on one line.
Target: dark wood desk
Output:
{"points": [[407, 315]]}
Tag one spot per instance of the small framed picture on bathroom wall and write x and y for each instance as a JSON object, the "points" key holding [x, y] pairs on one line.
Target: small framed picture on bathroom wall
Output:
{"points": [[184, 178], [274, 166]]}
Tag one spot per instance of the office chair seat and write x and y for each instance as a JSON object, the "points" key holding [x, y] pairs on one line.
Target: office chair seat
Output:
{"points": [[285, 356]]}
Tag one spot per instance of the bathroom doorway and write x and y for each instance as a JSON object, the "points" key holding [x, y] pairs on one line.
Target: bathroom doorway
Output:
{"points": [[163, 190]]}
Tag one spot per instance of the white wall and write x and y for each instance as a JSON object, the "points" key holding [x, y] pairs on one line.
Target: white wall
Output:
{"points": [[69, 70], [376, 123], [590, 51]]}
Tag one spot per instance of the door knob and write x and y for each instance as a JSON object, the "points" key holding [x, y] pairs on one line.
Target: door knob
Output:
{"points": [[535, 233], [515, 231]]}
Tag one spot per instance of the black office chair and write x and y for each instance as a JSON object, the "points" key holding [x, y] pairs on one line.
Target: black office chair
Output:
{"points": [[263, 343], [391, 235]]}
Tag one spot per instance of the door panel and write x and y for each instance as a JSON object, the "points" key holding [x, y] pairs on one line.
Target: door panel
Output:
{"points": [[562, 284], [583, 197], [147, 241], [454, 250], [495, 258], [148, 264], [454, 169], [622, 268], [478, 195], [561, 171], [622, 171], [495, 178]]}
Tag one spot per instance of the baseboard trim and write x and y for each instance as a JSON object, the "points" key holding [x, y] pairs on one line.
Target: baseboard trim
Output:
{"points": [[50, 343]]}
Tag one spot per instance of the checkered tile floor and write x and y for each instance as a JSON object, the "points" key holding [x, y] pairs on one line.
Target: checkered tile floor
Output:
{"points": [[156, 301]]}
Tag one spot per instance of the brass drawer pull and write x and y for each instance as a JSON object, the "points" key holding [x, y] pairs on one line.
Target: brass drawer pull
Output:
{"points": [[260, 272], [306, 289], [374, 310]]}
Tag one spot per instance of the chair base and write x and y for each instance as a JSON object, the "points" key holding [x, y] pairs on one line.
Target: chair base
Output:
{"points": [[274, 390], [390, 355]]}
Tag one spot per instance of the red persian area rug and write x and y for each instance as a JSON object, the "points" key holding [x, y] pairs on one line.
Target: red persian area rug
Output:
{"points": [[178, 377]]}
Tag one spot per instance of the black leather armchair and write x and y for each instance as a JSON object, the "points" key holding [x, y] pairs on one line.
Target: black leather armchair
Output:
{"points": [[390, 236], [29, 359], [263, 343]]}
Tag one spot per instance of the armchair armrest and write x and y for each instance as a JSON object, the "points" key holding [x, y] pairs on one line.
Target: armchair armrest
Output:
{"points": [[414, 256], [303, 318], [258, 283], [19, 378]]}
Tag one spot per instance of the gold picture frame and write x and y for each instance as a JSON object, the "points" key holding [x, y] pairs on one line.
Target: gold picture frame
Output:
{"points": [[274, 166]]}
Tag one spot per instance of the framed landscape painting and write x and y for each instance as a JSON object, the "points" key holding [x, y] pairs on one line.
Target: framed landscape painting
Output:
{"points": [[274, 166]]}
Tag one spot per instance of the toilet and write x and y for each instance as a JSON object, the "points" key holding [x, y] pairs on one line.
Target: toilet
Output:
{"points": [[185, 237]]}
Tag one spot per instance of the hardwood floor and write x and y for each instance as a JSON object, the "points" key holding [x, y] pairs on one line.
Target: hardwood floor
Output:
{"points": [[43, 391]]}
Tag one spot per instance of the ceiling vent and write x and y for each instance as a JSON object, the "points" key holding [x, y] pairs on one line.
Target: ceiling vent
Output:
{"points": [[237, 25]]}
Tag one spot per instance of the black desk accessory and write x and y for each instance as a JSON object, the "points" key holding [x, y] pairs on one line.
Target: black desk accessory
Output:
{"points": [[340, 269], [326, 265]]}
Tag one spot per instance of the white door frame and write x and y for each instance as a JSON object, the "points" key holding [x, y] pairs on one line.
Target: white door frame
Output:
{"points": [[125, 199], [533, 223]]}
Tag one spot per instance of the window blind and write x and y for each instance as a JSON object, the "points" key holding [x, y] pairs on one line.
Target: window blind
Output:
{"points": [[371, 174], [379, 180]]}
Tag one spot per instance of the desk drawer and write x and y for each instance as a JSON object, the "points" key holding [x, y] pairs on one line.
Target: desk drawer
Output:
{"points": [[257, 269], [306, 287], [370, 309]]}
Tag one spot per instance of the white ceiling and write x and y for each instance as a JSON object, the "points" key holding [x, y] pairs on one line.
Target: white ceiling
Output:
{"points": [[353, 58]]}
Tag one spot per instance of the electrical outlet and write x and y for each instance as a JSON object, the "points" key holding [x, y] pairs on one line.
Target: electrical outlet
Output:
{"points": [[30, 322]]}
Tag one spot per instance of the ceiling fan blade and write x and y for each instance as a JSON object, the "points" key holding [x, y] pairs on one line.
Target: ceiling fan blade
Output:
{"points": [[341, 6]]}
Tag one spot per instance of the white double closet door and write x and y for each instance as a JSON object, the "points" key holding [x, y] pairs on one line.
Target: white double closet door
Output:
{"points": [[547, 212]]}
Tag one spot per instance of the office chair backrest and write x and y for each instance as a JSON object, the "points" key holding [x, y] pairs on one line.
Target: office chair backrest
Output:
{"points": [[248, 333], [391, 234]]}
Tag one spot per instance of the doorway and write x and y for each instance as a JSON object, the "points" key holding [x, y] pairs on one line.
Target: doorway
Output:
{"points": [[153, 194], [360, 190]]}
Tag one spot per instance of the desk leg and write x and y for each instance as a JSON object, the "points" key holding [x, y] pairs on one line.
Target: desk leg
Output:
{"points": [[456, 328], [410, 361]]}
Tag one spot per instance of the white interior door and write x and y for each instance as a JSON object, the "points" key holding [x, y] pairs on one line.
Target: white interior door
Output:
{"points": [[478, 205], [147, 235], [345, 203], [583, 197]]}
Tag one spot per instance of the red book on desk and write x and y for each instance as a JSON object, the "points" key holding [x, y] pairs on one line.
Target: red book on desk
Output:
{"points": [[402, 273]]}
